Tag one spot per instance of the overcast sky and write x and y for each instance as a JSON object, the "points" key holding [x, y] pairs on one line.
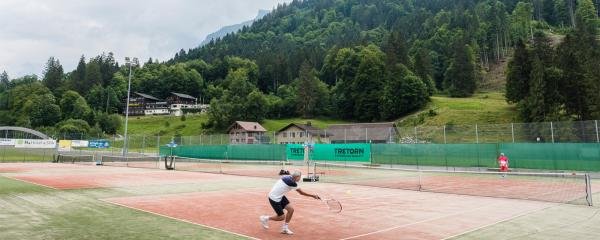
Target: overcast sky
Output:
{"points": [[33, 30]]}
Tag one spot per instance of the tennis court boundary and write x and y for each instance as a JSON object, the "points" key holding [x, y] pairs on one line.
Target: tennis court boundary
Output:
{"points": [[432, 219], [502, 221], [178, 219], [37, 184]]}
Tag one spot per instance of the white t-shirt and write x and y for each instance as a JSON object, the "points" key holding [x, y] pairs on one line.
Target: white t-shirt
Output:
{"points": [[281, 187]]}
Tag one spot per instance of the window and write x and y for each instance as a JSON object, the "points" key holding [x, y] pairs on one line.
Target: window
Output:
{"points": [[301, 134], [293, 134], [285, 134]]}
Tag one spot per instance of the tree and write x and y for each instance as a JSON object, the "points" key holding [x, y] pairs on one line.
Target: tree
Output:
{"points": [[518, 73], [74, 106], [403, 92], [459, 79], [53, 75], [311, 92], [42, 110], [256, 106], [77, 78], [367, 85], [423, 69], [93, 76], [4, 82], [396, 49]]}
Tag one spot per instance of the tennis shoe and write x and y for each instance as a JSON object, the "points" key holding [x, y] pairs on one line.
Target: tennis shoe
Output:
{"points": [[264, 220], [286, 230]]}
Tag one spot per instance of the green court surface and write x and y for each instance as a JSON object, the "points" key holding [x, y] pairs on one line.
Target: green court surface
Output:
{"points": [[35, 212]]}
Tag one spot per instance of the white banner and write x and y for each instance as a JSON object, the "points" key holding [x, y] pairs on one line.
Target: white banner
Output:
{"points": [[79, 143], [35, 143], [7, 142]]}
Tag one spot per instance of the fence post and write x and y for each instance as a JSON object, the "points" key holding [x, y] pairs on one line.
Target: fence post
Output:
{"points": [[416, 137], [221, 141], [345, 135], [143, 143], [597, 135], [366, 135], [476, 135], [512, 128], [158, 144], [552, 131], [445, 136]]}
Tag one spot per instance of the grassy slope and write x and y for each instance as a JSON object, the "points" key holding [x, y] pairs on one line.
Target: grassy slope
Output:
{"points": [[165, 125], [192, 126], [482, 108]]}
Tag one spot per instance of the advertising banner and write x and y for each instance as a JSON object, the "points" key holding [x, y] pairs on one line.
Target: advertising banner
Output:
{"points": [[358, 152], [64, 145], [79, 143], [35, 143], [7, 142], [98, 144]]}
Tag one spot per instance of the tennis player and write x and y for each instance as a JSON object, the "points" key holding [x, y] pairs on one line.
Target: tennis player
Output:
{"points": [[503, 162], [279, 202]]}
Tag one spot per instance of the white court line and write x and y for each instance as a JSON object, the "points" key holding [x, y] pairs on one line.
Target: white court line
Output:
{"points": [[499, 221], [179, 219], [422, 221], [38, 184]]}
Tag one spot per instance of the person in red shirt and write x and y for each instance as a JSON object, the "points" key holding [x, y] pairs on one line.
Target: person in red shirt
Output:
{"points": [[503, 163]]}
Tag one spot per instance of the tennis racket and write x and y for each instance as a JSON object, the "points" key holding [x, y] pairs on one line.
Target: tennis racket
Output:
{"points": [[333, 205]]}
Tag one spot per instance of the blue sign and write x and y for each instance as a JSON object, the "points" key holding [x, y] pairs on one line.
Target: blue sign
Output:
{"points": [[99, 144], [172, 145]]}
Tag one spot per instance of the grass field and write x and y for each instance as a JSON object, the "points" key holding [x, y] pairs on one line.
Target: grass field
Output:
{"points": [[482, 108]]}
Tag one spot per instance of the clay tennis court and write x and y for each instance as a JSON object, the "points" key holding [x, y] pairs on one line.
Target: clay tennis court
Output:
{"points": [[368, 212]]}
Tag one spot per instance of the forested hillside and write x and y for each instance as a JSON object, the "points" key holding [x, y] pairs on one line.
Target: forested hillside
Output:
{"points": [[356, 60]]}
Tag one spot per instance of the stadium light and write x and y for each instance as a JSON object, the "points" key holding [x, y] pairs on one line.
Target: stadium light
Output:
{"points": [[125, 143]]}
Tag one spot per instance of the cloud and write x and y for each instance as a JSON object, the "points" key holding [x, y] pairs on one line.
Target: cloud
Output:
{"points": [[32, 31]]}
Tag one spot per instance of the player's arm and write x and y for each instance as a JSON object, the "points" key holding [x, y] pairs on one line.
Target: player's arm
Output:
{"points": [[303, 193]]}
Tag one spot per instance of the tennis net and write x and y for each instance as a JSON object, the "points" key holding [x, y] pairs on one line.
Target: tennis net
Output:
{"points": [[132, 161], [268, 169], [75, 159], [572, 188]]}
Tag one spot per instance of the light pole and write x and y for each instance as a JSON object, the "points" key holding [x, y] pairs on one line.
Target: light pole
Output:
{"points": [[125, 143]]}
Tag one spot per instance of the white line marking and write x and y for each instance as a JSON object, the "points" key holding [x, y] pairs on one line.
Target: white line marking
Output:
{"points": [[422, 221], [179, 219], [38, 184], [500, 221]]}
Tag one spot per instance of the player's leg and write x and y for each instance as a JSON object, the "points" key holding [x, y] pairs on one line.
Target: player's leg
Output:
{"points": [[288, 216], [278, 208]]}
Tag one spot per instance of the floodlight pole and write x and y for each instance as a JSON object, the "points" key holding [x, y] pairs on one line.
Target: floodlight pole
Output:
{"points": [[125, 145]]}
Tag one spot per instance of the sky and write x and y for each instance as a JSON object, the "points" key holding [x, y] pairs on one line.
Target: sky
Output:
{"points": [[33, 30]]}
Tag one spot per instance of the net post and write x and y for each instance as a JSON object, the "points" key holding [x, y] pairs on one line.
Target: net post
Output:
{"points": [[416, 137], [588, 189]]}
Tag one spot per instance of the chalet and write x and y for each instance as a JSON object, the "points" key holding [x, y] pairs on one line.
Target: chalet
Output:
{"points": [[295, 133], [362, 133], [247, 133], [144, 104], [180, 104]]}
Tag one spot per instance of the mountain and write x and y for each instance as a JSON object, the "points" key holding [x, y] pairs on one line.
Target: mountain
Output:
{"points": [[233, 28]]}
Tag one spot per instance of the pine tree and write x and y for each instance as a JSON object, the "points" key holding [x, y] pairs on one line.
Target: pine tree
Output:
{"points": [[459, 79], [53, 74], [396, 49], [4, 81], [518, 73]]}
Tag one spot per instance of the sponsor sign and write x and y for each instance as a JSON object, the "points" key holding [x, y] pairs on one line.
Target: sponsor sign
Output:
{"points": [[79, 143], [64, 145], [7, 142], [359, 152], [98, 144], [35, 143]]}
